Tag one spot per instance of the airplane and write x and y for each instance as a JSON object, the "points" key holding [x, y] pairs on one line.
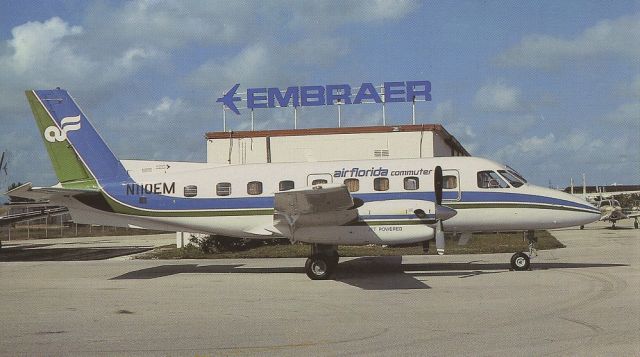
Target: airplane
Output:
{"points": [[324, 204], [612, 211]]}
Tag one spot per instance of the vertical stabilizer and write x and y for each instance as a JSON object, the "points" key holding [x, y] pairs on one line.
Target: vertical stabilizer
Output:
{"points": [[80, 158]]}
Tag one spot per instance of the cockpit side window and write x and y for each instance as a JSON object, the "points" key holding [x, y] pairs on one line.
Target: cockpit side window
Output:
{"points": [[513, 180], [490, 179]]}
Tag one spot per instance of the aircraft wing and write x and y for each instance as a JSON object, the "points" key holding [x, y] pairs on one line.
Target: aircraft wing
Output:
{"points": [[43, 193], [320, 205], [633, 214]]}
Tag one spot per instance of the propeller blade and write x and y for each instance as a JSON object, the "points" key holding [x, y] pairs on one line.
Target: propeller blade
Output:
{"points": [[439, 238], [437, 184]]}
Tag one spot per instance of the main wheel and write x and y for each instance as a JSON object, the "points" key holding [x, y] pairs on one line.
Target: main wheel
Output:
{"points": [[320, 267], [635, 224], [582, 227], [520, 261]]}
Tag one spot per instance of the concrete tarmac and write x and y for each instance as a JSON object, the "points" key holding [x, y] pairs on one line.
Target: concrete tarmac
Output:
{"points": [[580, 300]]}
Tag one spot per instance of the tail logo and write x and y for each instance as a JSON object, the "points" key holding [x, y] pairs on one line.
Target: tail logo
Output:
{"points": [[53, 134]]}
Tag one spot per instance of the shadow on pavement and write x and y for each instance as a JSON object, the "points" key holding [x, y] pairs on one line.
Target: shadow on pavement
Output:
{"points": [[368, 273], [39, 252]]}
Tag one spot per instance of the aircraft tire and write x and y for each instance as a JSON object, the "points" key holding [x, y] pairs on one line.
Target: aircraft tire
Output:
{"points": [[320, 267], [635, 224], [582, 227], [520, 262]]}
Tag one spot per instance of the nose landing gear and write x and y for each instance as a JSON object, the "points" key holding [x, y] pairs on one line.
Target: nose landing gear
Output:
{"points": [[521, 261]]}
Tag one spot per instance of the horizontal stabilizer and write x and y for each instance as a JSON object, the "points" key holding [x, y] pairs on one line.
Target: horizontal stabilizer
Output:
{"points": [[44, 193]]}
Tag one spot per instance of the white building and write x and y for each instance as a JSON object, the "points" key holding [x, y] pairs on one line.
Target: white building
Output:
{"points": [[327, 144]]}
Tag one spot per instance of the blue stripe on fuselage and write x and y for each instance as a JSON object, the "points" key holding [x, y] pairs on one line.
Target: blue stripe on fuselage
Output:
{"points": [[162, 202]]}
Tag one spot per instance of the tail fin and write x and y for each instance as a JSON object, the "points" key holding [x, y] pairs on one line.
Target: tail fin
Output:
{"points": [[80, 158]]}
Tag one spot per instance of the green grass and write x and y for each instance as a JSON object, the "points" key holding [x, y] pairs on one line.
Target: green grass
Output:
{"points": [[479, 243]]}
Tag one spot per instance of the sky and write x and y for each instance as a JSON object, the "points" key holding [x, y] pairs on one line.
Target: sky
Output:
{"points": [[551, 88]]}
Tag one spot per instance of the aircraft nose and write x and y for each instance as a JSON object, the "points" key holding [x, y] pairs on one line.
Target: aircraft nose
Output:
{"points": [[588, 213]]}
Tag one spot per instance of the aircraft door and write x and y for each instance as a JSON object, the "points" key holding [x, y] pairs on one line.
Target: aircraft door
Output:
{"points": [[319, 179], [451, 185]]}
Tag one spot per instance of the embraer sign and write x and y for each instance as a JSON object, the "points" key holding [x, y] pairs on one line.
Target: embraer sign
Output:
{"points": [[330, 94]]}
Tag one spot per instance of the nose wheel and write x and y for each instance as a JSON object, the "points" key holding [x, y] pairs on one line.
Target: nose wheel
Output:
{"points": [[521, 261]]}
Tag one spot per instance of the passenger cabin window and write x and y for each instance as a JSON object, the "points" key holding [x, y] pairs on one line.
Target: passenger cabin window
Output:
{"points": [[286, 185], [353, 185], [381, 184], [223, 189], [254, 188], [490, 179], [449, 182], [411, 183], [318, 182], [513, 180], [190, 191]]}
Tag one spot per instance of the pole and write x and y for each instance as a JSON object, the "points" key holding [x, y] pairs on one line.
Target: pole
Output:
{"points": [[339, 116], [571, 185], [224, 119], [413, 105], [384, 101], [251, 119], [295, 117]]}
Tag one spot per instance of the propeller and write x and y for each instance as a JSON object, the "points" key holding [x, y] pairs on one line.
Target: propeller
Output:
{"points": [[437, 185], [441, 213]]}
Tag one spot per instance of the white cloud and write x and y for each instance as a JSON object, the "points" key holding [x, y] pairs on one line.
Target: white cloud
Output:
{"points": [[443, 113], [607, 38], [625, 114], [514, 126], [46, 55], [498, 97]]}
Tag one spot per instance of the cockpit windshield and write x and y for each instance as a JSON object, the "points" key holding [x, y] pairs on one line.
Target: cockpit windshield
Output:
{"points": [[513, 179], [516, 174]]}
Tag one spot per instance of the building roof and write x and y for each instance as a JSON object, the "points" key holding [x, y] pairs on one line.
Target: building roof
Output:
{"points": [[436, 128]]}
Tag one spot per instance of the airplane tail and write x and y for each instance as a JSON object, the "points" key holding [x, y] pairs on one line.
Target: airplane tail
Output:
{"points": [[80, 158]]}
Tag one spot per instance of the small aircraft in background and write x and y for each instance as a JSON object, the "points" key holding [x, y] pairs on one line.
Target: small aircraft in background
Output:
{"points": [[610, 208], [612, 211]]}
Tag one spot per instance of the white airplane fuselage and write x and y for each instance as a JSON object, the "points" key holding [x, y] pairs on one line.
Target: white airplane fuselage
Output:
{"points": [[157, 201]]}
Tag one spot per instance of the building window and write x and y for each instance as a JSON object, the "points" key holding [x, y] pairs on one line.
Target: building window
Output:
{"points": [[353, 185], [223, 189], [286, 185], [411, 183], [190, 191], [381, 184], [318, 182], [254, 188], [449, 182]]}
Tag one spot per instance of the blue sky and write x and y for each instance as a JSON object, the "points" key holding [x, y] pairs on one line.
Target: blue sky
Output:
{"points": [[551, 88]]}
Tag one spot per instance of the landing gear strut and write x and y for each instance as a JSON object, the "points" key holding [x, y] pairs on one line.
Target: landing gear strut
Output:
{"points": [[521, 261], [323, 261], [635, 223]]}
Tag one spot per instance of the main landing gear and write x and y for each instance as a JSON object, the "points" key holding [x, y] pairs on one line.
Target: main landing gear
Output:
{"points": [[522, 261], [323, 261], [635, 223]]}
